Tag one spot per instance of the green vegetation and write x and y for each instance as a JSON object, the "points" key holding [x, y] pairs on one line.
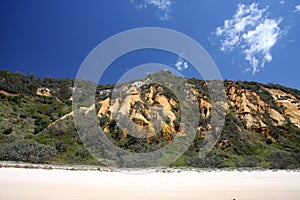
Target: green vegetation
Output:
{"points": [[26, 150], [26, 85], [200, 85], [26, 134], [292, 91]]}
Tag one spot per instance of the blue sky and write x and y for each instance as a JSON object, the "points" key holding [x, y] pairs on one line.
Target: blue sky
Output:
{"points": [[248, 40]]}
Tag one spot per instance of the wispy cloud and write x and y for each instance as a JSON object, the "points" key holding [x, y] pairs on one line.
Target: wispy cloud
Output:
{"points": [[163, 7], [297, 8], [251, 31], [181, 64], [282, 2]]}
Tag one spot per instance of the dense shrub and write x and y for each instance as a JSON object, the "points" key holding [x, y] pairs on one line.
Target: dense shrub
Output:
{"points": [[18, 83], [27, 151], [210, 161], [248, 161], [60, 146], [40, 123], [284, 160], [82, 153]]}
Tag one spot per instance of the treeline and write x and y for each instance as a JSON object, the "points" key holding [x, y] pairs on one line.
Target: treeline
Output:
{"points": [[18, 83]]}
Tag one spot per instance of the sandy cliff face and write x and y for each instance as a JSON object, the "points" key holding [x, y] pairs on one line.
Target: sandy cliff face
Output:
{"points": [[146, 107], [249, 108], [290, 105], [256, 114], [151, 110]]}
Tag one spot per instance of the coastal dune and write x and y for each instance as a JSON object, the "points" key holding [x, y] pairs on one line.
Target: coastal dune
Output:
{"points": [[39, 184]]}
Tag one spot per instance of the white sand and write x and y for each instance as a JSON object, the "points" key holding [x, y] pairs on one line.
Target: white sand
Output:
{"points": [[19, 184]]}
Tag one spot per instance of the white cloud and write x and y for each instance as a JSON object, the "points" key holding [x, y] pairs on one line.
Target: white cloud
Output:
{"points": [[297, 8], [181, 64], [282, 2], [163, 7], [251, 31]]}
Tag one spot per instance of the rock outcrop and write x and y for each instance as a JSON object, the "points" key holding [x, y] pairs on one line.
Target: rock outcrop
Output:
{"points": [[43, 92]]}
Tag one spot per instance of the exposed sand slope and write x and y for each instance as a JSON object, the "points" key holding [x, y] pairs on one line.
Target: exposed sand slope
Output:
{"points": [[61, 184]]}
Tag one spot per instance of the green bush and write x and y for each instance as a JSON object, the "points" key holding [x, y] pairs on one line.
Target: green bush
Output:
{"points": [[60, 146], [18, 83], [284, 160], [40, 123], [27, 151], [82, 153], [248, 161], [7, 131], [269, 141]]}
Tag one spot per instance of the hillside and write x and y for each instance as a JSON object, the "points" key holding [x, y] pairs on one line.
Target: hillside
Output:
{"points": [[262, 123]]}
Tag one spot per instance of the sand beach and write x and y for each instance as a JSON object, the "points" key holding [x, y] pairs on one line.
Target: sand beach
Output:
{"points": [[39, 184]]}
